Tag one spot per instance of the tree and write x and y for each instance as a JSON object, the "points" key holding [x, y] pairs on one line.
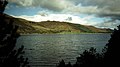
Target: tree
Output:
{"points": [[111, 56], [9, 57]]}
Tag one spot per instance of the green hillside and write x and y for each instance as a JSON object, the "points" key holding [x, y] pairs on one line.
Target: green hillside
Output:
{"points": [[49, 27]]}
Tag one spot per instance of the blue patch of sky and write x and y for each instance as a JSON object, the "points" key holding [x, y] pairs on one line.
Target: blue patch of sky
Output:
{"points": [[13, 9], [98, 19], [95, 18]]}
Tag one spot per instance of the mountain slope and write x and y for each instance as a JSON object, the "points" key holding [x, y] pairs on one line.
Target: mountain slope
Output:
{"points": [[47, 27]]}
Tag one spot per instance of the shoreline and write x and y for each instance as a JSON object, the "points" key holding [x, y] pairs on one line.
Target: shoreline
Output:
{"points": [[59, 33]]}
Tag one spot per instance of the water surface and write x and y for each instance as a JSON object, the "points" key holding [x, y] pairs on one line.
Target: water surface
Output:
{"points": [[46, 50]]}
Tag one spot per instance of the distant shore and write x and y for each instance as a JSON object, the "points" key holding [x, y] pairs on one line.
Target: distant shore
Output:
{"points": [[58, 33]]}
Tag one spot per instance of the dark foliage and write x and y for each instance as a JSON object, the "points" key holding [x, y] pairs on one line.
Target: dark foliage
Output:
{"points": [[9, 57], [108, 57], [112, 56], [89, 58]]}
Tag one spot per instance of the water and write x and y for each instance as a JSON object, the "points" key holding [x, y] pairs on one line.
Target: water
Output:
{"points": [[46, 50]]}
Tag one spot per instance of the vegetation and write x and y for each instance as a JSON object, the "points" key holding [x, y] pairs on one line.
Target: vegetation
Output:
{"points": [[49, 27], [90, 58], [9, 57]]}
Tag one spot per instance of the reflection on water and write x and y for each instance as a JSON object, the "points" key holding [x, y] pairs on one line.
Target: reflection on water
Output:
{"points": [[47, 50]]}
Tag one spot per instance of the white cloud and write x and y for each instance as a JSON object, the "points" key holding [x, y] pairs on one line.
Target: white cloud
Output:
{"points": [[82, 9], [80, 6], [110, 23], [60, 17], [55, 5], [26, 2], [100, 8], [86, 20]]}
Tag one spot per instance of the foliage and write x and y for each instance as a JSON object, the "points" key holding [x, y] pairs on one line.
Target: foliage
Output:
{"points": [[48, 27], [109, 56], [9, 57], [112, 56]]}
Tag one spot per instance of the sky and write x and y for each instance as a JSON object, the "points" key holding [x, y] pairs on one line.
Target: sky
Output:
{"points": [[99, 13]]}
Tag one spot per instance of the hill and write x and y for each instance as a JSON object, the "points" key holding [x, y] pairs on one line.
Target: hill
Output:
{"points": [[49, 27]]}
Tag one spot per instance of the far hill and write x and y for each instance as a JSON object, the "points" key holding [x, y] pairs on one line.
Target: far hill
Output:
{"points": [[49, 27]]}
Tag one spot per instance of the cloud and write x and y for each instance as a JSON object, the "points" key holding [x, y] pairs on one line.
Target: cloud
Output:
{"points": [[79, 9], [109, 24], [22, 2], [114, 16], [55, 5], [86, 20], [99, 7]]}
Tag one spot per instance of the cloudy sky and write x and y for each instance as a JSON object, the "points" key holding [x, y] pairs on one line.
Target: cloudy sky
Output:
{"points": [[99, 13]]}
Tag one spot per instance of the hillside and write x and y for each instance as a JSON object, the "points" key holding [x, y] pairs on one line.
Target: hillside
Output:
{"points": [[47, 27]]}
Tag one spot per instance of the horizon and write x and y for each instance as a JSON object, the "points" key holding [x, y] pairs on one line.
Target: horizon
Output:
{"points": [[98, 13], [59, 33]]}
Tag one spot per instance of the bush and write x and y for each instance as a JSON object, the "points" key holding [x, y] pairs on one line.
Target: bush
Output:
{"points": [[108, 57], [9, 57]]}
